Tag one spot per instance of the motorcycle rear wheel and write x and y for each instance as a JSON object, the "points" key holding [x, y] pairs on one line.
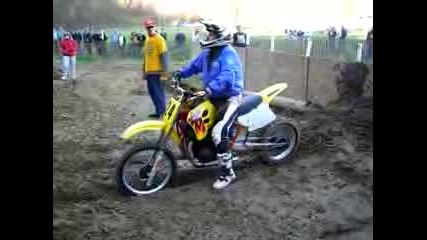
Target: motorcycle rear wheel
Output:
{"points": [[168, 160], [290, 132]]}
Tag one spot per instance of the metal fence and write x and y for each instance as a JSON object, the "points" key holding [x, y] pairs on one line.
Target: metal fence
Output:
{"points": [[346, 50], [349, 50], [309, 76]]}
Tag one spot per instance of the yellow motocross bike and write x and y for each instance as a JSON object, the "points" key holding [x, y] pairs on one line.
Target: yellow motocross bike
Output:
{"points": [[188, 123]]}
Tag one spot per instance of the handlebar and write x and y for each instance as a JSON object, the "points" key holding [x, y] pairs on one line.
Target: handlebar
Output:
{"points": [[176, 86]]}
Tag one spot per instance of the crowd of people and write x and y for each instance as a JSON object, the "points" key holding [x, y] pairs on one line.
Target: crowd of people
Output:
{"points": [[339, 37], [334, 36], [91, 41], [87, 39], [294, 34]]}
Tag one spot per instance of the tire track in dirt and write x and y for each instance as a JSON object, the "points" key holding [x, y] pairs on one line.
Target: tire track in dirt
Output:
{"points": [[322, 195]]}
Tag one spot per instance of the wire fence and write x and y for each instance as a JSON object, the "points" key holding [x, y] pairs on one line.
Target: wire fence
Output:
{"points": [[348, 50], [345, 50]]}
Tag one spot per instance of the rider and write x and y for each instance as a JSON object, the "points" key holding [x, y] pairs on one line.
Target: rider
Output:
{"points": [[223, 82]]}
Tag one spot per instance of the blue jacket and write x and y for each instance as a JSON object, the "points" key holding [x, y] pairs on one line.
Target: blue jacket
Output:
{"points": [[225, 77]]}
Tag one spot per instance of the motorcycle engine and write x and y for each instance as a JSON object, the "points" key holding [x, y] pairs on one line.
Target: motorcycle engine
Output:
{"points": [[205, 150]]}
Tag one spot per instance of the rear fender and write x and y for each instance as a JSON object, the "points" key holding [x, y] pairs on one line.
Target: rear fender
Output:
{"points": [[147, 126], [257, 118], [269, 93]]}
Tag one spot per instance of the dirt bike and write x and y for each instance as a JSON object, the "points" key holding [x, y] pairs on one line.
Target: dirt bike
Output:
{"points": [[188, 123]]}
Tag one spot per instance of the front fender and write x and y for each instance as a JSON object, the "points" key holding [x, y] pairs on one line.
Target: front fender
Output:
{"points": [[145, 126]]}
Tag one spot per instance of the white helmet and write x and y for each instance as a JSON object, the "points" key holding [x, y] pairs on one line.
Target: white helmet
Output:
{"points": [[221, 35]]}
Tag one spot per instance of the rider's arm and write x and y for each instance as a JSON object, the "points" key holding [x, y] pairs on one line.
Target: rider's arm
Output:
{"points": [[193, 67]]}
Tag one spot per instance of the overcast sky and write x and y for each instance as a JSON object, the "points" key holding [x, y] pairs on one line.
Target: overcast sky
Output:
{"points": [[273, 14]]}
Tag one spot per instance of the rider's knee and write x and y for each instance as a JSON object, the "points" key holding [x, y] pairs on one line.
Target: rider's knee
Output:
{"points": [[216, 133]]}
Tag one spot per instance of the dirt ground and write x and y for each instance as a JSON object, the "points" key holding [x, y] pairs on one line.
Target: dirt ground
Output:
{"points": [[326, 193]]}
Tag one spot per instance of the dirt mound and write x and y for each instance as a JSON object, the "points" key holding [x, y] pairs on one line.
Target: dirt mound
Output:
{"points": [[338, 140], [326, 129], [351, 80]]}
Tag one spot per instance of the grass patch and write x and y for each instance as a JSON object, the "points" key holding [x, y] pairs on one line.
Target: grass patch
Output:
{"points": [[85, 59], [81, 59]]}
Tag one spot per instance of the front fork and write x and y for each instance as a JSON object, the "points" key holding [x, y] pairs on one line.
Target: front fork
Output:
{"points": [[156, 156]]}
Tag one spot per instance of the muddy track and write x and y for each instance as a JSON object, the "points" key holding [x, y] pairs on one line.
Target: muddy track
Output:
{"points": [[327, 193]]}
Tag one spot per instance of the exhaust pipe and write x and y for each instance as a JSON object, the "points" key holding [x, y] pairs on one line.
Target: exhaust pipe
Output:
{"points": [[241, 147]]}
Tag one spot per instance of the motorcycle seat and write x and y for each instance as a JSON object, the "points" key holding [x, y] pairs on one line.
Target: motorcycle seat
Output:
{"points": [[249, 102]]}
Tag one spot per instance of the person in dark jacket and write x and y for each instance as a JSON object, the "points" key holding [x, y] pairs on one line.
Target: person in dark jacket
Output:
{"points": [[100, 39], [180, 39], [164, 34], [332, 34], [341, 40], [141, 39], [77, 35], [369, 45], [135, 45], [222, 74], [87, 40], [180, 46], [240, 39]]}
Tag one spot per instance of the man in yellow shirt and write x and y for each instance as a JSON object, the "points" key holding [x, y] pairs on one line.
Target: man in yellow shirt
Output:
{"points": [[154, 64]]}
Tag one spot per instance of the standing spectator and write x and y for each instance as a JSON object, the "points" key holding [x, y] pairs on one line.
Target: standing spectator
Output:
{"points": [[99, 39], [55, 40], [60, 31], [68, 47], [114, 41], [96, 38], [122, 44], [240, 38], [74, 34], [154, 65], [294, 34], [300, 35], [141, 39], [196, 35], [135, 46], [369, 43], [163, 34], [341, 40], [332, 34], [180, 46], [180, 39], [87, 39], [77, 35], [103, 42], [290, 34]]}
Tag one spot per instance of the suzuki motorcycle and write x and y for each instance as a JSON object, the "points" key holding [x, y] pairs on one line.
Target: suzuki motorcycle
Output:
{"points": [[188, 122]]}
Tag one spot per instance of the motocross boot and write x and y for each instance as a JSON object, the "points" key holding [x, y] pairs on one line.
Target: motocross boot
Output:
{"points": [[227, 174]]}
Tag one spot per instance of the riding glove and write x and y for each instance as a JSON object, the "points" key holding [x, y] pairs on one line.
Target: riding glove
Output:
{"points": [[177, 75]]}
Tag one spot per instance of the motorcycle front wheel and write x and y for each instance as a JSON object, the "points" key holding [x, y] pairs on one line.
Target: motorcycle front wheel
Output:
{"points": [[153, 168]]}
